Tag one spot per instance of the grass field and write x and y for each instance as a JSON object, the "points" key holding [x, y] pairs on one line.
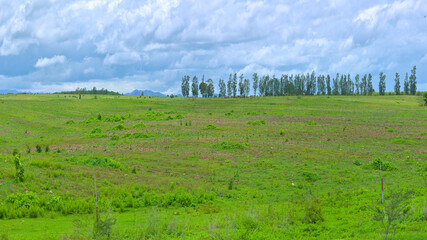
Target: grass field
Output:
{"points": [[185, 168]]}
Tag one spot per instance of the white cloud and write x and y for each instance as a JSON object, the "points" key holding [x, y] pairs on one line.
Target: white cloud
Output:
{"points": [[122, 58], [206, 37], [45, 62]]}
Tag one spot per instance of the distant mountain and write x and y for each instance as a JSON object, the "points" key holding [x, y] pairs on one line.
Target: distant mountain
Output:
{"points": [[147, 93], [6, 91]]}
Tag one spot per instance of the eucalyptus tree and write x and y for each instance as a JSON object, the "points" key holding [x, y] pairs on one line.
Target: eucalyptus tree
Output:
{"points": [[195, 87], [413, 81], [406, 84], [222, 88], [381, 84], [255, 82], [397, 84]]}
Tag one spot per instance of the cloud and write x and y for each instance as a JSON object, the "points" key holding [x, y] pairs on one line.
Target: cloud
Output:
{"points": [[131, 41], [122, 58], [45, 62]]}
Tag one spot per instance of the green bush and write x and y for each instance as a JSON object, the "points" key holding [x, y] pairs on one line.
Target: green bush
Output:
{"points": [[385, 165], [115, 137], [313, 211], [38, 148], [138, 135], [282, 132], [310, 177], [96, 130], [230, 145], [19, 175], [115, 118], [402, 140], [102, 162], [257, 122], [119, 127], [311, 122], [71, 121], [211, 127], [139, 125]]}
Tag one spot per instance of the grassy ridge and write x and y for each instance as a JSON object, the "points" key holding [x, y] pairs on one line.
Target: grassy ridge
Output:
{"points": [[215, 168]]}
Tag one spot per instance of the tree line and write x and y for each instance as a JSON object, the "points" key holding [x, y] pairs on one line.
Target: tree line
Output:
{"points": [[299, 84]]}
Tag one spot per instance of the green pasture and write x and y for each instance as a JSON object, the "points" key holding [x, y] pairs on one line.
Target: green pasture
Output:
{"points": [[219, 168]]}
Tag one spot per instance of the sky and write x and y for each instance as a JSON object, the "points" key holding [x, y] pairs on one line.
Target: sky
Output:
{"points": [[122, 45]]}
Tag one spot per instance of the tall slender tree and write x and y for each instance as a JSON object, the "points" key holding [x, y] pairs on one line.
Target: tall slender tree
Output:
{"points": [[229, 86], [195, 87], [370, 87], [397, 84], [413, 81], [328, 84], [241, 85], [357, 84], [210, 88], [185, 86], [255, 82], [222, 88], [364, 85], [381, 84], [247, 87], [406, 84]]}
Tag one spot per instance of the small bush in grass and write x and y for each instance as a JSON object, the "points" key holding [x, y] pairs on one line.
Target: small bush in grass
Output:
{"points": [[19, 175], [357, 162], [311, 122], [230, 145], [139, 125], [257, 122], [169, 118], [313, 211], [38, 148], [102, 228], [138, 135], [179, 116], [99, 117], [310, 177], [402, 140], [385, 165], [119, 127], [46, 149], [15, 152], [211, 127], [115, 137], [282, 132], [96, 130], [115, 118], [71, 121]]}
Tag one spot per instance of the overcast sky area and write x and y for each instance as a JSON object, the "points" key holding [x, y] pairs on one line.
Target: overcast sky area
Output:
{"points": [[122, 45]]}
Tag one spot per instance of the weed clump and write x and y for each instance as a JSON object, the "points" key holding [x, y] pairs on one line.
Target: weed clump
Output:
{"points": [[357, 162], [102, 162], [402, 140], [115, 118], [230, 145], [138, 135], [71, 121], [19, 175], [115, 137], [310, 176], [385, 165], [139, 125], [313, 211], [38, 148], [311, 122], [211, 127], [94, 131], [119, 127], [282, 132], [257, 122]]}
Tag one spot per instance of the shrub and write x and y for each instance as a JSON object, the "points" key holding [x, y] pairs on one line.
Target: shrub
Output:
{"points": [[38, 148], [402, 140], [211, 127], [385, 165], [311, 122], [119, 127], [71, 121], [179, 116], [169, 118], [425, 98], [393, 210], [102, 228], [99, 117], [357, 162], [46, 149], [138, 135], [114, 137], [310, 177], [313, 211], [19, 175], [229, 145], [102, 162], [282, 132], [257, 122], [139, 125], [26, 200], [96, 130], [115, 118]]}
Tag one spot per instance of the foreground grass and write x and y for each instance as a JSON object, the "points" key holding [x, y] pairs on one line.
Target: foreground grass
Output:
{"points": [[212, 168]]}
